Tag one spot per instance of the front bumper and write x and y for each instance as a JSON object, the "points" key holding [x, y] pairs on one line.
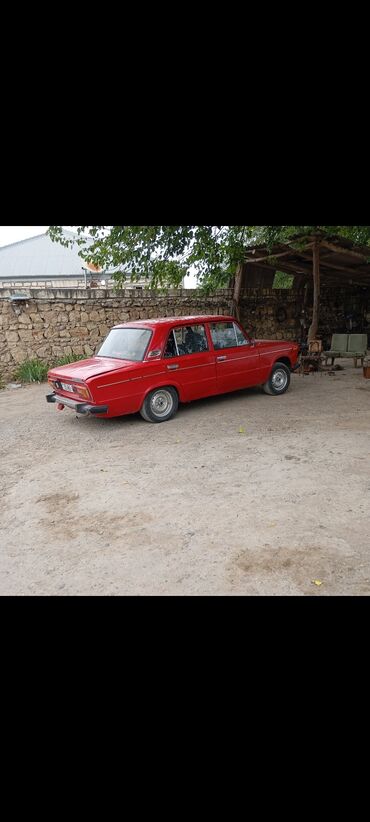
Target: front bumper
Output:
{"points": [[78, 407]]}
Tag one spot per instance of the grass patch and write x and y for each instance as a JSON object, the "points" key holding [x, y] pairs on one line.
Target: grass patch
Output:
{"points": [[32, 371], [37, 371]]}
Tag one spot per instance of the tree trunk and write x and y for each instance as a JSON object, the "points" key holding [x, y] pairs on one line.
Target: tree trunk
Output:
{"points": [[237, 291], [312, 334]]}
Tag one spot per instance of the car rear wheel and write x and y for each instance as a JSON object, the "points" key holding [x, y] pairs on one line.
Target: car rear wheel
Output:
{"points": [[279, 380], [160, 405]]}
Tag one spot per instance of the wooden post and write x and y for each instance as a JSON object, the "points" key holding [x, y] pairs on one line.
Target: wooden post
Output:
{"points": [[237, 291], [316, 292]]}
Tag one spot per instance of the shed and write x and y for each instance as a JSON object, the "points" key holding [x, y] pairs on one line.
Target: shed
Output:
{"points": [[318, 259]]}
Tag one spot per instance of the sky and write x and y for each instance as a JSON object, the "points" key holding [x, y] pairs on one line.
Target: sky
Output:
{"points": [[13, 233]]}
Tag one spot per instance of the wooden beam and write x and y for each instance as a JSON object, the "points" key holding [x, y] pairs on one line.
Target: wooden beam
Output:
{"points": [[326, 276], [325, 264], [301, 268], [293, 268], [341, 250], [312, 334], [271, 256], [237, 291]]}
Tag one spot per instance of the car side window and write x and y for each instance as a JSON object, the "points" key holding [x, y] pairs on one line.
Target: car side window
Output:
{"points": [[187, 339], [227, 335], [171, 350], [242, 340]]}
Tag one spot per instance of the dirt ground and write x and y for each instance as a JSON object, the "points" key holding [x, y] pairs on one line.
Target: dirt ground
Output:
{"points": [[193, 506]]}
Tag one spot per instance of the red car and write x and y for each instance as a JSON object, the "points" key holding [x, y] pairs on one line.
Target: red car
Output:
{"points": [[152, 365]]}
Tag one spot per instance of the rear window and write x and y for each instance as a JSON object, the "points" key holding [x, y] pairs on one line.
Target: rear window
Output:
{"points": [[126, 344]]}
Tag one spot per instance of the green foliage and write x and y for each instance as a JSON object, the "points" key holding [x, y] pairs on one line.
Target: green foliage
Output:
{"points": [[164, 255], [283, 280], [36, 370], [271, 234], [32, 371]]}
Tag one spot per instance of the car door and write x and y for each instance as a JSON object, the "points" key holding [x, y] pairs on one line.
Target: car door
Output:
{"points": [[237, 357], [188, 357]]}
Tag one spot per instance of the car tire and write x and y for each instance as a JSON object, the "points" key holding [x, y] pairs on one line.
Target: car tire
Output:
{"points": [[279, 380], [160, 405]]}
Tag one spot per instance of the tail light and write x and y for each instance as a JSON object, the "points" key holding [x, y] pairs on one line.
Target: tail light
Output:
{"points": [[77, 388], [83, 391]]}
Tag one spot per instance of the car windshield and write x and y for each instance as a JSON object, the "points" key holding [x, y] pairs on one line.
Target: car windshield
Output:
{"points": [[126, 344]]}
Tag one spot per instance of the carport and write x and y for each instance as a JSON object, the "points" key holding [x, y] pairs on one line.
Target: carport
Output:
{"points": [[316, 259]]}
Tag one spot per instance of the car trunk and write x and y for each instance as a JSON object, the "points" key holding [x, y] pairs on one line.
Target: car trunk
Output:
{"points": [[66, 378]]}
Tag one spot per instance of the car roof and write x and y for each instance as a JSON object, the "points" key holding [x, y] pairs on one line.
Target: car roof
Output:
{"points": [[167, 322]]}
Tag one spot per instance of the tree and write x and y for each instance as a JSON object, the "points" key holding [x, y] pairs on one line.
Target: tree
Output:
{"points": [[164, 255]]}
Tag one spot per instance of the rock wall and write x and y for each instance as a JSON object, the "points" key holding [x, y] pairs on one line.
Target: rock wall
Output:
{"points": [[48, 324]]}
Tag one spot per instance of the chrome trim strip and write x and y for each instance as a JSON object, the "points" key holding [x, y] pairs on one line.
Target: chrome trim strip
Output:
{"points": [[159, 374], [279, 351], [109, 384], [177, 347], [233, 359], [132, 379], [203, 365]]}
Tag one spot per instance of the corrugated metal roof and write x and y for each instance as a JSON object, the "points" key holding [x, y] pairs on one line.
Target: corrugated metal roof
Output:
{"points": [[40, 257]]}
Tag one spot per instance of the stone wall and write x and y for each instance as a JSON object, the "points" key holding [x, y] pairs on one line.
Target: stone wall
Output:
{"points": [[48, 324], [287, 314]]}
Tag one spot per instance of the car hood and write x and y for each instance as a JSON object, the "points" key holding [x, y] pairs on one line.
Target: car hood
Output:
{"points": [[86, 369]]}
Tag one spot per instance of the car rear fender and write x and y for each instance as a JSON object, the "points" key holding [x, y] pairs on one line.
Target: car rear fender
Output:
{"points": [[166, 384]]}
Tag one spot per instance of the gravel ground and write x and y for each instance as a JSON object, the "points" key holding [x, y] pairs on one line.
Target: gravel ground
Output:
{"points": [[194, 506]]}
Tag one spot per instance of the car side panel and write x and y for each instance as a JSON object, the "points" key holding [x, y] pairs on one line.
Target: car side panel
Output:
{"points": [[195, 373], [272, 352], [125, 393], [237, 368]]}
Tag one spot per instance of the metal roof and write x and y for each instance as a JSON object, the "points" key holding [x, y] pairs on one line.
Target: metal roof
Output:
{"points": [[39, 258]]}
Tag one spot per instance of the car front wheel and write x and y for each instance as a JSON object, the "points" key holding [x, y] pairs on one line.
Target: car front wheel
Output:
{"points": [[279, 380], [160, 405]]}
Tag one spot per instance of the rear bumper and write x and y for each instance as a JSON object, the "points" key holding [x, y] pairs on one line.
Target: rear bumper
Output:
{"points": [[78, 407]]}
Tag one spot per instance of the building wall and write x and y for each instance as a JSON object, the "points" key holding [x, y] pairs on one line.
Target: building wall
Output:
{"points": [[55, 322]]}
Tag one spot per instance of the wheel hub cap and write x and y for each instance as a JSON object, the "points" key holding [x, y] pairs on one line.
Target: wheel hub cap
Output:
{"points": [[161, 403], [279, 380]]}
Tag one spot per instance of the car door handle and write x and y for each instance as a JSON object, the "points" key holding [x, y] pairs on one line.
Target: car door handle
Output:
{"points": [[221, 359], [172, 367]]}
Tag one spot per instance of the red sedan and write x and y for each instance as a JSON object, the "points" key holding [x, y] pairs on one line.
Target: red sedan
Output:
{"points": [[152, 365]]}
